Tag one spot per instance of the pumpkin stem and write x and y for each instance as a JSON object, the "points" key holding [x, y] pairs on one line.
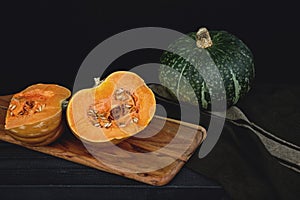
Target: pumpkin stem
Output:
{"points": [[97, 81], [203, 39], [64, 104]]}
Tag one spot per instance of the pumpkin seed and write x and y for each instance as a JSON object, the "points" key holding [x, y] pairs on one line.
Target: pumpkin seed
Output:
{"points": [[92, 113], [22, 112], [135, 120], [119, 91], [12, 107], [97, 124], [103, 118], [120, 97], [107, 125]]}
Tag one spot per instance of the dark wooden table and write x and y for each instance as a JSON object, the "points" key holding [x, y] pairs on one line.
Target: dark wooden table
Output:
{"points": [[32, 175]]}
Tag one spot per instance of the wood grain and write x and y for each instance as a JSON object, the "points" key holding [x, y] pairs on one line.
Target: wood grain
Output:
{"points": [[154, 156]]}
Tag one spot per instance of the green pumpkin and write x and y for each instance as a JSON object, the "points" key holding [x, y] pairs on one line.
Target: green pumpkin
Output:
{"points": [[207, 51]]}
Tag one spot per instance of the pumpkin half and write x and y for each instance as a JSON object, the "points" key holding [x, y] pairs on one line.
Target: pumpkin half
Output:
{"points": [[119, 107], [34, 115]]}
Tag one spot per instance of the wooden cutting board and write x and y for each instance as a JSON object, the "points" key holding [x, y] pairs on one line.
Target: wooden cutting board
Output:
{"points": [[154, 156]]}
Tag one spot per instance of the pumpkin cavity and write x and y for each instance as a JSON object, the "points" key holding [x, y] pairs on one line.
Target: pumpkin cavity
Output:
{"points": [[28, 103], [124, 111]]}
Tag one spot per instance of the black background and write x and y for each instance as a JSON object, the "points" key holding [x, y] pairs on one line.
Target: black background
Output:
{"points": [[46, 41]]}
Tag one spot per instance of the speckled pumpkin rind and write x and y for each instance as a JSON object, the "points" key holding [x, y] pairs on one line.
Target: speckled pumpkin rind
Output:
{"points": [[229, 54]]}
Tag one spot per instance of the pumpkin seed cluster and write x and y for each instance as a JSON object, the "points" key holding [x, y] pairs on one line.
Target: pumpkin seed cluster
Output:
{"points": [[123, 111]]}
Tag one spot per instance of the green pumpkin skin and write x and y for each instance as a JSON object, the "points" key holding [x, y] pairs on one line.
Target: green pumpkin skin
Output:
{"points": [[230, 55]]}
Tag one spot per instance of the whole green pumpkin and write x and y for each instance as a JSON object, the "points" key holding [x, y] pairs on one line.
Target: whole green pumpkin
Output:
{"points": [[228, 54]]}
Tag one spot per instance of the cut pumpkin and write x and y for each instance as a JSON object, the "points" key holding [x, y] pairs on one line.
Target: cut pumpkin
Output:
{"points": [[34, 115], [119, 107]]}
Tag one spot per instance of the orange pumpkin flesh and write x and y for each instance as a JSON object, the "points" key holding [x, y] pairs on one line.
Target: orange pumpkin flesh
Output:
{"points": [[120, 107], [34, 115]]}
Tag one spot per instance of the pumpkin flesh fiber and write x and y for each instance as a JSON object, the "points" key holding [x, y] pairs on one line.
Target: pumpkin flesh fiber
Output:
{"points": [[119, 107], [34, 115]]}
